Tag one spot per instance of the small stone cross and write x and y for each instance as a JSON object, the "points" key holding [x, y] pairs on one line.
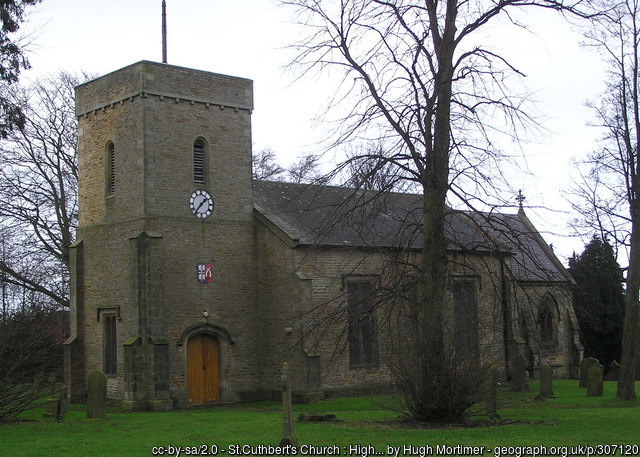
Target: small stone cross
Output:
{"points": [[288, 437]]}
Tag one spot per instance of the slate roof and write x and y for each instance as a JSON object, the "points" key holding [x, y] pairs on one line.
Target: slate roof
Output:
{"points": [[332, 216]]}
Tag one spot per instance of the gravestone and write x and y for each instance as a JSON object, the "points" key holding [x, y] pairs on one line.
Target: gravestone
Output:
{"points": [[61, 407], [546, 381], [50, 407], [97, 395], [288, 437], [311, 417], [613, 373], [520, 376], [584, 369], [491, 389], [52, 400], [594, 380]]}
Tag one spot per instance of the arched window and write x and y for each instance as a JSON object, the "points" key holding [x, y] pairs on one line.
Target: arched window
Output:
{"points": [[111, 169], [547, 321], [199, 161]]}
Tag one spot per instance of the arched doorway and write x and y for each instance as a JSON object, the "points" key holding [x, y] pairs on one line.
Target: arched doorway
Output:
{"points": [[203, 369]]}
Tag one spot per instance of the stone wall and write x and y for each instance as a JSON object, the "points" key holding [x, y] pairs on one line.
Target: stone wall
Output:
{"points": [[153, 113], [303, 289], [562, 356]]}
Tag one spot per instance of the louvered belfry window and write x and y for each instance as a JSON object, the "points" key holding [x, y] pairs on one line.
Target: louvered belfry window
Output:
{"points": [[111, 169], [198, 161]]}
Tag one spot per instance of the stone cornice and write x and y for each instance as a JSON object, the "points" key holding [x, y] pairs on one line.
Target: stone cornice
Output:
{"points": [[165, 97]]}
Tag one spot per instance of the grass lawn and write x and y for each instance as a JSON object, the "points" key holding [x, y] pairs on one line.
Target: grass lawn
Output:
{"points": [[570, 419]]}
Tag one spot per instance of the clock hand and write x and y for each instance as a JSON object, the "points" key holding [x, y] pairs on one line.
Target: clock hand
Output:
{"points": [[200, 205]]}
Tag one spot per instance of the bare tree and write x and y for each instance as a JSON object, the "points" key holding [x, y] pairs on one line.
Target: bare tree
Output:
{"points": [[30, 355], [609, 192], [304, 170], [418, 81], [368, 168], [38, 189], [265, 166]]}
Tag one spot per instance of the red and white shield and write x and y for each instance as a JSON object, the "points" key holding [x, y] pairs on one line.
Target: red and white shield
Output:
{"points": [[204, 272]]}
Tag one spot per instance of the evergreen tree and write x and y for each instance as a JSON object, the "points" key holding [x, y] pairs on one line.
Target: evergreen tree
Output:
{"points": [[12, 60], [598, 300]]}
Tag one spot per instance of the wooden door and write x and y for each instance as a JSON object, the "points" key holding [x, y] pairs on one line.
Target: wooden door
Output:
{"points": [[203, 369]]}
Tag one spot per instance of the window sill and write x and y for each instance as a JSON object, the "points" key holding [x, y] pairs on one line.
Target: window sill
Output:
{"points": [[361, 366], [549, 346]]}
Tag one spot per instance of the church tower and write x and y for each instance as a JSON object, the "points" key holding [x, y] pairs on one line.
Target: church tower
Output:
{"points": [[163, 292]]}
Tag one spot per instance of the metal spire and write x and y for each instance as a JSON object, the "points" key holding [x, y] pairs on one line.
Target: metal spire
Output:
{"points": [[164, 31]]}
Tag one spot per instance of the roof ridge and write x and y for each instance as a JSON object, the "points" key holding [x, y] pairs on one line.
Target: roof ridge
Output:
{"points": [[320, 214], [331, 186]]}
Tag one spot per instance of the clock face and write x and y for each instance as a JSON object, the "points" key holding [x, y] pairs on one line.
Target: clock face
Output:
{"points": [[201, 203]]}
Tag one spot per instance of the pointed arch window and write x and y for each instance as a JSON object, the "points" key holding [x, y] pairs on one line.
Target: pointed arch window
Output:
{"points": [[199, 161], [111, 169], [547, 322]]}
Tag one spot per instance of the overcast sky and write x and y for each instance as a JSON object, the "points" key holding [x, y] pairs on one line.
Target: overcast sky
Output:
{"points": [[248, 38]]}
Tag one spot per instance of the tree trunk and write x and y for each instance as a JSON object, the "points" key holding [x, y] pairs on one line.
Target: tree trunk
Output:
{"points": [[626, 380], [434, 271], [435, 182]]}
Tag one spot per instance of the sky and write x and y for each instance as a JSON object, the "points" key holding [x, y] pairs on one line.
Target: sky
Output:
{"points": [[251, 39]]}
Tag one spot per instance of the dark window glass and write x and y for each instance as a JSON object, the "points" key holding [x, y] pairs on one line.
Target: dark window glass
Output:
{"points": [[465, 319], [546, 322], [363, 348], [110, 344]]}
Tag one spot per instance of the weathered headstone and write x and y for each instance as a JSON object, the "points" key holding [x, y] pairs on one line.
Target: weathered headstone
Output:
{"points": [[594, 380], [52, 400], [546, 381], [97, 395], [311, 417], [491, 389], [519, 376], [288, 437], [61, 408], [50, 405], [584, 369], [613, 373]]}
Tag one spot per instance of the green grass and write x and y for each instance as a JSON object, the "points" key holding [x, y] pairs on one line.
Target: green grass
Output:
{"points": [[569, 419]]}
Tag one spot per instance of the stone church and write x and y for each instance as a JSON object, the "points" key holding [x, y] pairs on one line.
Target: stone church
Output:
{"points": [[193, 283]]}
